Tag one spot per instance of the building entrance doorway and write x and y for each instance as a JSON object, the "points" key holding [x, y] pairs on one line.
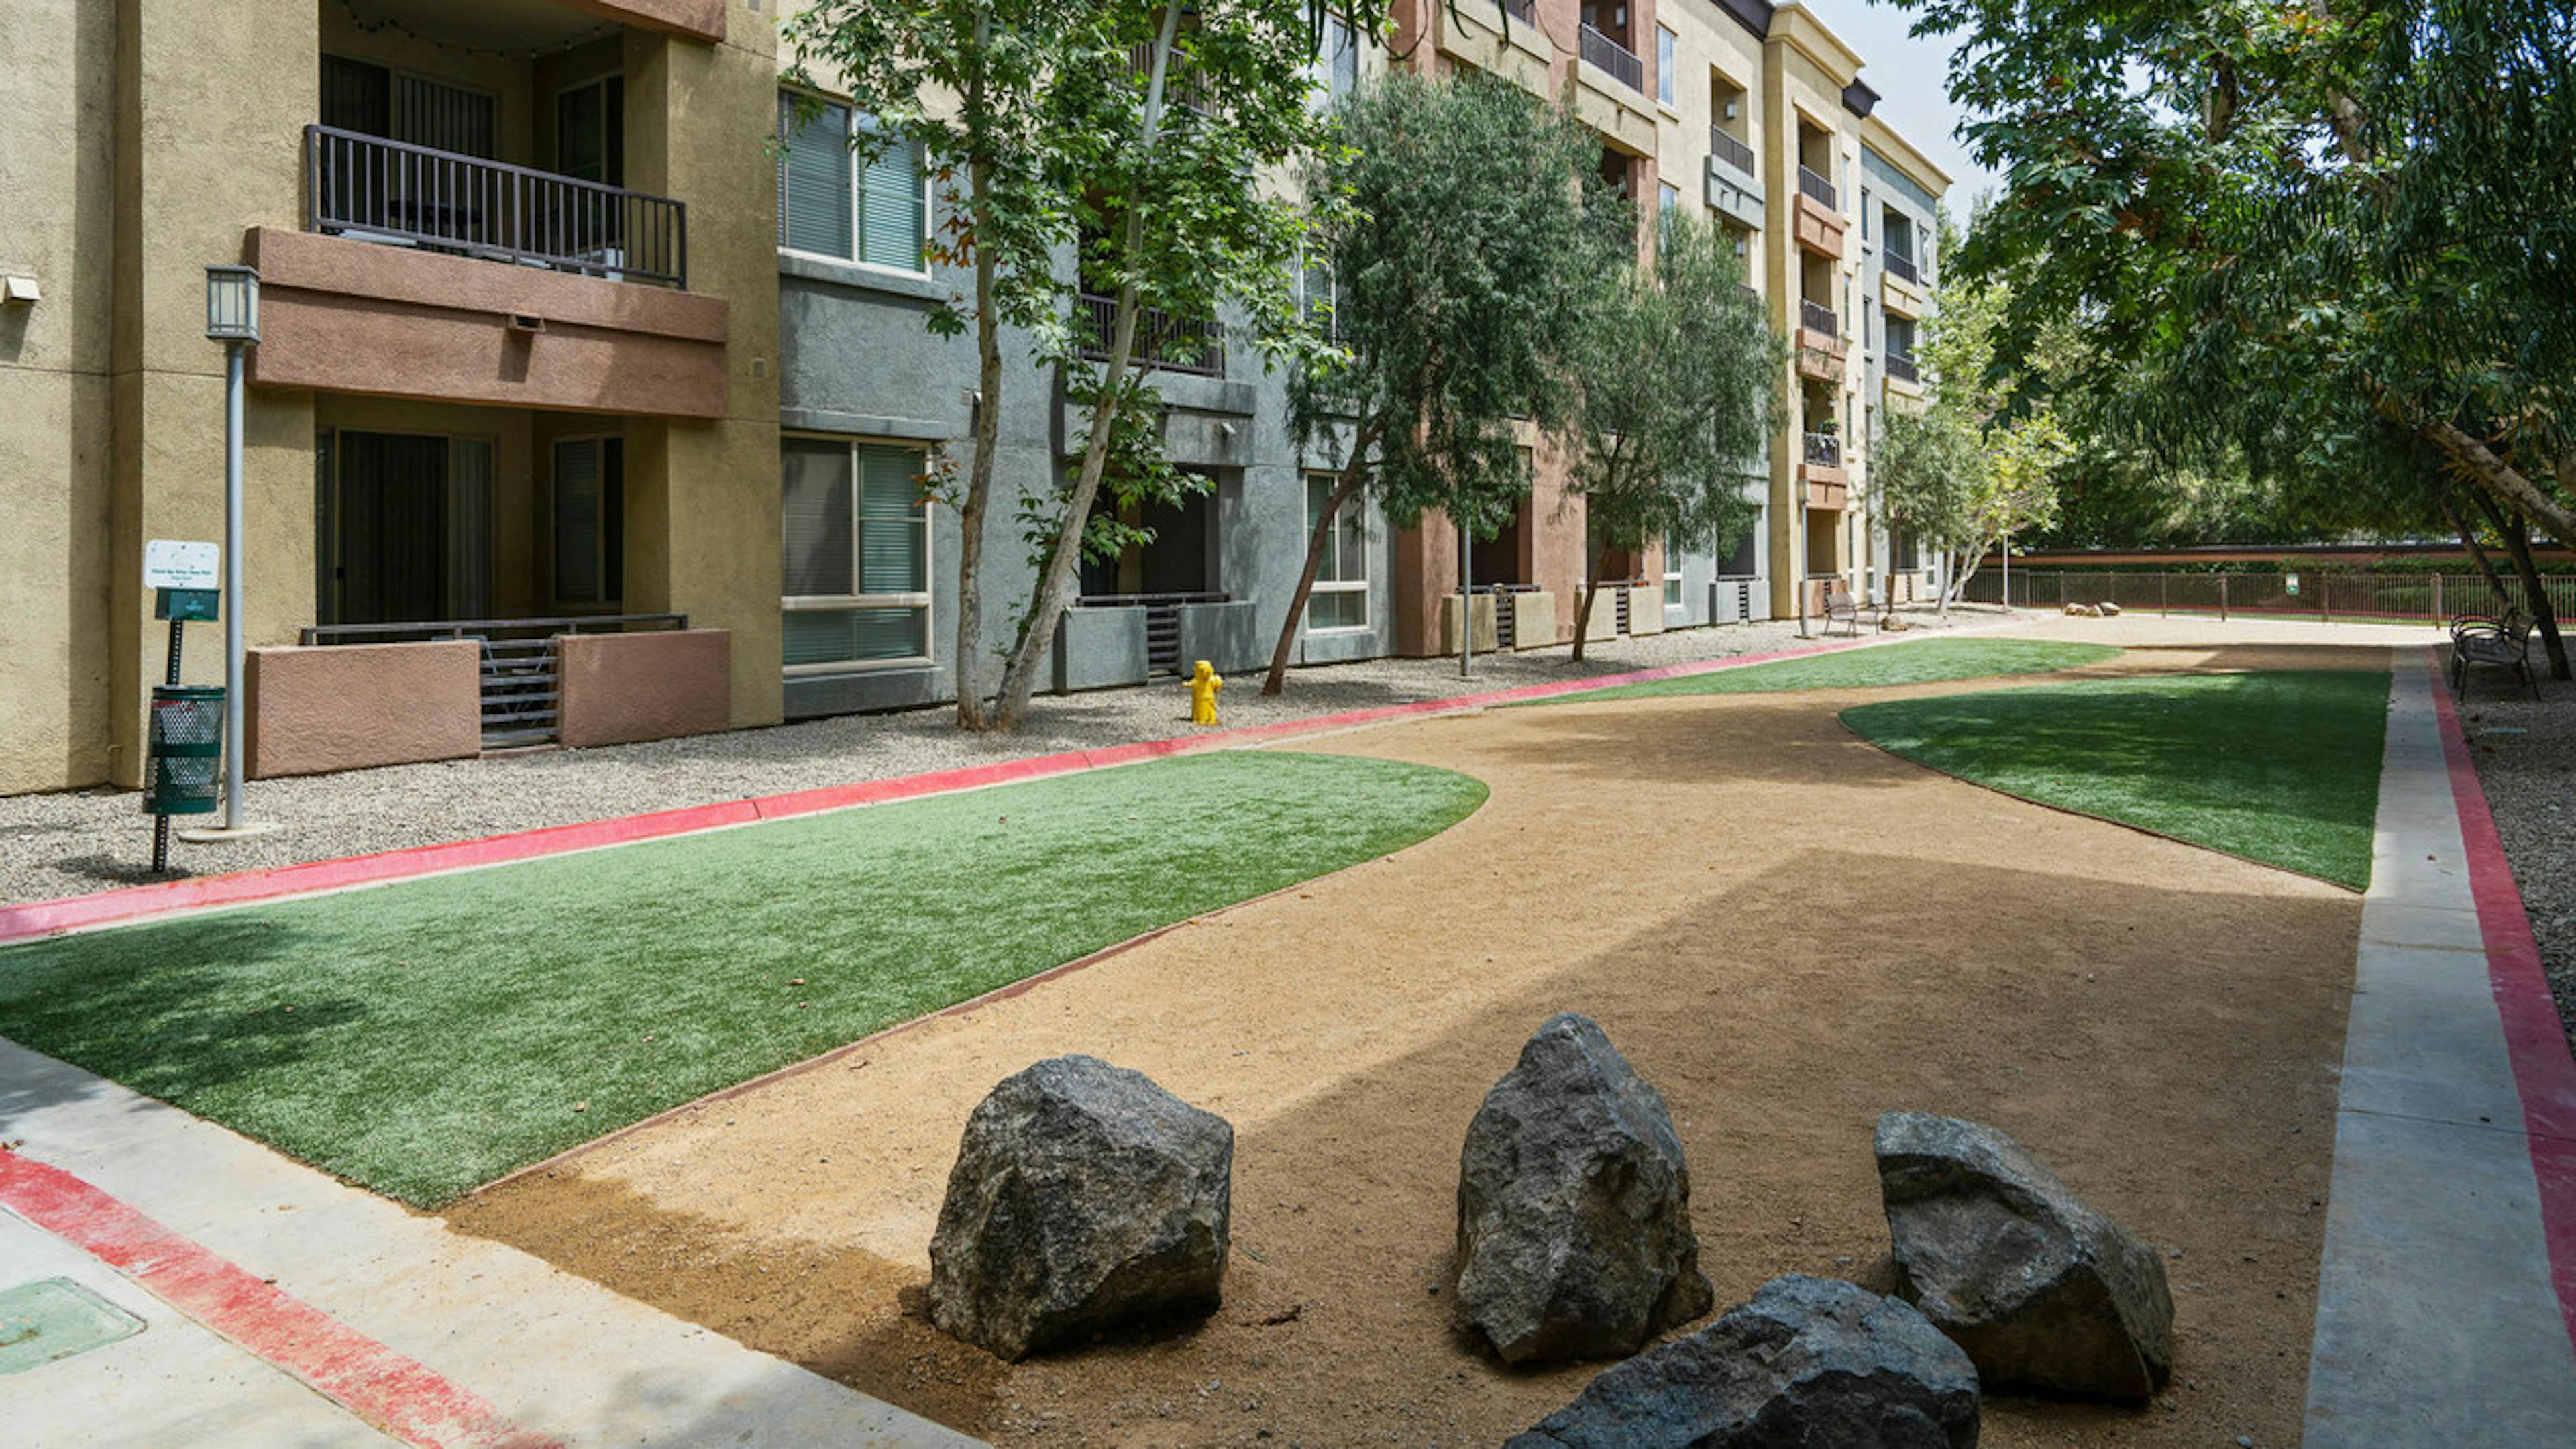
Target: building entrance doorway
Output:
{"points": [[405, 532]]}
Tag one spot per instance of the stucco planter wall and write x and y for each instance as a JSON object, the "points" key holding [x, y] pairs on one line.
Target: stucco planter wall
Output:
{"points": [[1486, 639], [1099, 649], [622, 688], [311, 711], [1646, 610], [1533, 619], [1227, 636]]}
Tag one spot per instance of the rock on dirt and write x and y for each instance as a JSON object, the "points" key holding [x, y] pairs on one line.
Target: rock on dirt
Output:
{"points": [[2084, 611], [2039, 1288], [1085, 1199], [1807, 1361], [1574, 1226]]}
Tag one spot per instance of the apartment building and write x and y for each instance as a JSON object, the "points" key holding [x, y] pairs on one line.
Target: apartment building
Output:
{"points": [[578, 413]]}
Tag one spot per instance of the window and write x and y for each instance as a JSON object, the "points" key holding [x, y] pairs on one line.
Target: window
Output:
{"points": [[1672, 588], [590, 131], [590, 520], [857, 566], [1900, 336], [869, 204], [1665, 66], [1340, 599], [1335, 70], [1318, 300], [1740, 564], [1667, 196], [360, 96]]}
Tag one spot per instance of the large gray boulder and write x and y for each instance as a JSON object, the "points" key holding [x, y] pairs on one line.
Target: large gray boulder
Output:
{"points": [[1809, 1361], [1085, 1198], [2039, 1288], [1574, 1227]]}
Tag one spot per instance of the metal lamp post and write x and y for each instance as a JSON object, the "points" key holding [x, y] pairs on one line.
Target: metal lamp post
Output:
{"points": [[232, 318]]}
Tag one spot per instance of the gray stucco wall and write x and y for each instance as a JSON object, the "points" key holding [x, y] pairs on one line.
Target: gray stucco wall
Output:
{"points": [[855, 359]]}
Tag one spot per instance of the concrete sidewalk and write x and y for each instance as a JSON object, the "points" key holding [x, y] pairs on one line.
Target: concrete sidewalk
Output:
{"points": [[2439, 1316], [281, 1307]]}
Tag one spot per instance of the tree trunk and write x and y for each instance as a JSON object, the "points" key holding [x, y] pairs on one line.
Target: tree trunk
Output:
{"points": [[2477, 551], [1887, 581], [2535, 592], [1345, 490], [2493, 473], [971, 709], [1064, 552], [1591, 591]]}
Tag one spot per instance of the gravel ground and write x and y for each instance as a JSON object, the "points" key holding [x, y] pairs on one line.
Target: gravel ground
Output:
{"points": [[78, 841], [2526, 755]]}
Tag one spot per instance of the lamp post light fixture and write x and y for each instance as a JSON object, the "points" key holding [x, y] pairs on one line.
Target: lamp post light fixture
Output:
{"points": [[232, 318]]}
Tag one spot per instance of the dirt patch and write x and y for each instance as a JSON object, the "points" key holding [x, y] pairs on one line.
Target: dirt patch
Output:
{"points": [[1785, 930]]}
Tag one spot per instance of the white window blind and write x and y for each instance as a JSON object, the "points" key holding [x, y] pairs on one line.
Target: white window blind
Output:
{"points": [[864, 204], [857, 553]]}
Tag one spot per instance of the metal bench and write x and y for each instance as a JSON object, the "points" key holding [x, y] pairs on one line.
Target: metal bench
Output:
{"points": [[2503, 642]]}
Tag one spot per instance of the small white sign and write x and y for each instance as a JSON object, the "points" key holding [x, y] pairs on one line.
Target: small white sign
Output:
{"points": [[2294, 585], [170, 563]]}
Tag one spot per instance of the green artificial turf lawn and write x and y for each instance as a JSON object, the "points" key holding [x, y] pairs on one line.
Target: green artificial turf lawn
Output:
{"points": [[2276, 766], [424, 1037], [1912, 662]]}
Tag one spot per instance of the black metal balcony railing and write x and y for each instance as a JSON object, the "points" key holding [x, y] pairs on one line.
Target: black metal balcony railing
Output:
{"points": [[1901, 367], [1817, 317], [373, 189], [1727, 148], [1186, 344], [1899, 265], [1825, 450], [1813, 185], [1181, 79], [1616, 60]]}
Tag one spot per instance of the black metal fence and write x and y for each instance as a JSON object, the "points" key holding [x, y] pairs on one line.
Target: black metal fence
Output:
{"points": [[373, 189], [1818, 317], [1613, 59], [1727, 148], [1898, 265], [1816, 187], [1177, 344], [2428, 599], [1825, 450], [1901, 367]]}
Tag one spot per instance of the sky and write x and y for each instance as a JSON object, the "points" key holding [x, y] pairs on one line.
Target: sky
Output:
{"points": [[1910, 77]]}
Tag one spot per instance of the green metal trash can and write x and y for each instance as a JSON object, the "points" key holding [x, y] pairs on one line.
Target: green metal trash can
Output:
{"points": [[184, 756]]}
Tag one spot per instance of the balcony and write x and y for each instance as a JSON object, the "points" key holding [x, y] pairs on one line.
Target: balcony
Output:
{"points": [[1818, 223], [1817, 317], [1613, 59], [1824, 450], [367, 188], [1900, 266], [1194, 345], [1822, 191], [1900, 366], [1731, 151]]}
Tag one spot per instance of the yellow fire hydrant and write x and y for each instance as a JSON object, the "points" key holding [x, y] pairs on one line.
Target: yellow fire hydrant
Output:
{"points": [[1203, 685]]}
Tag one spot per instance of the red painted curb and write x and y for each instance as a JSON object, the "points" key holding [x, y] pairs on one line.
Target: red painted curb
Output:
{"points": [[394, 1393], [2543, 1070], [33, 919]]}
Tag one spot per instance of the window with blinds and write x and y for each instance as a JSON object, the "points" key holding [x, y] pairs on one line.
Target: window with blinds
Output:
{"points": [[1340, 597], [589, 520], [856, 574], [867, 204]]}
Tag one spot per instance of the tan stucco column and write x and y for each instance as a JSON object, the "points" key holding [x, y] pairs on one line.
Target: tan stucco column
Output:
{"points": [[702, 514]]}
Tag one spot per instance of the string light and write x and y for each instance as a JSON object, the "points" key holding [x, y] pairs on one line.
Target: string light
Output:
{"points": [[385, 25]]}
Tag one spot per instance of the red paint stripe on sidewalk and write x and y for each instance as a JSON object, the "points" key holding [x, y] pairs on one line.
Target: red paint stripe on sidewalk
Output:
{"points": [[2535, 1041], [71, 913], [394, 1393]]}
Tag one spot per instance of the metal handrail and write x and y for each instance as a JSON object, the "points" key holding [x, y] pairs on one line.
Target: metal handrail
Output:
{"points": [[1900, 365], [375, 189], [1130, 601], [1900, 265], [1613, 59], [1825, 450], [1818, 317], [1731, 149], [313, 634], [1189, 344], [1817, 187]]}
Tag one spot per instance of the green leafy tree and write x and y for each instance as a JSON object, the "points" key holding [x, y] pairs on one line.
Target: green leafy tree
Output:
{"points": [[1926, 472], [1454, 236], [1679, 376], [1167, 122], [2281, 226]]}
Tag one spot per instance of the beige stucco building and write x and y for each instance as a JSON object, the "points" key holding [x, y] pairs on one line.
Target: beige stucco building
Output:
{"points": [[518, 335]]}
